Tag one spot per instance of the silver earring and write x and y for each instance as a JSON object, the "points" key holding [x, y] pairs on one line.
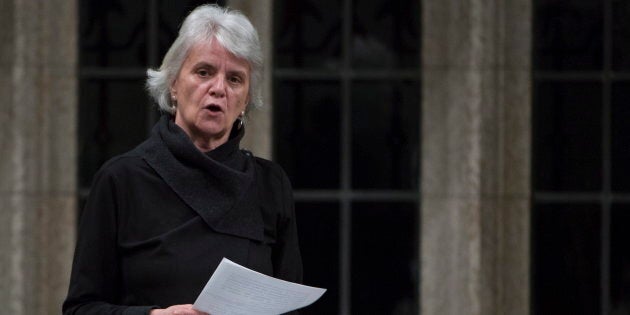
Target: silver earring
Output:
{"points": [[173, 102], [241, 119]]}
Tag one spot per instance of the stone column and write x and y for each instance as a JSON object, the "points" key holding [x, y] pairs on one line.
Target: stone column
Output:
{"points": [[38, 57], [258, 132], [476, 157]]}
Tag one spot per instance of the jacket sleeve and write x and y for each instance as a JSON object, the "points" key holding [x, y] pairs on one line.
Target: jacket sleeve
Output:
{"points": [[95, 279], [287, 261]]}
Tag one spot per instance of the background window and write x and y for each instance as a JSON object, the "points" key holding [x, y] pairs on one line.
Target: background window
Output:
{"points": [[347, 131], [581, 156]]}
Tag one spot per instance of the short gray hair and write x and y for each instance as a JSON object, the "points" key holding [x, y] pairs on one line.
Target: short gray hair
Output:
{"points": [[205, 23]]}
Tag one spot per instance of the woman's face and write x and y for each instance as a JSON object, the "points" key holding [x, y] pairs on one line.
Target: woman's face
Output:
{"points": [[211, 91]]}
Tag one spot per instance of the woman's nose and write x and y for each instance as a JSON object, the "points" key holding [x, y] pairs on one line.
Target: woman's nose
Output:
{"points": [[217, 87]]}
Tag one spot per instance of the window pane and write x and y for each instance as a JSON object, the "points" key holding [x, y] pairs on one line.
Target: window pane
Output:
{"points": [[567, 136], [318, 228], [568, 35], [386, 34], [621, 137], [385, 267], [385, 134], [113, 120], [113, 33], [620, 260], [306, 122], [307, 34], [566, 266], [621, 34]]}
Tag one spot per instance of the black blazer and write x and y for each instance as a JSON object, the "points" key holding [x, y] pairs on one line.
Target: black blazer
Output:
{"points": [[160, 218]]}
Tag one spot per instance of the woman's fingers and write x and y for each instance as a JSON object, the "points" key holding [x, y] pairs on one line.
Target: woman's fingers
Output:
{"points": [[184, 309]]}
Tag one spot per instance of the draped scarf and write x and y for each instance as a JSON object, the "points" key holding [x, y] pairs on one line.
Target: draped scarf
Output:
{"points": [[218, 185]]}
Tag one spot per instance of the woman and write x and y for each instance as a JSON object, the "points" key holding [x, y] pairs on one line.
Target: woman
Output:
{"points": [[161, 217]]}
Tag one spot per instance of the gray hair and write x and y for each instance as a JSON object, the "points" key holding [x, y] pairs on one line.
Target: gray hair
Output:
{"points": [[230, 28]]}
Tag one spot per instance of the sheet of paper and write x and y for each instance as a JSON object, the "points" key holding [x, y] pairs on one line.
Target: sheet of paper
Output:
{"points": [[236, 290]]}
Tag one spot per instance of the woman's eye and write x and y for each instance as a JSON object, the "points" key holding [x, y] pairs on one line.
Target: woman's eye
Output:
{"points": [[235, 79], [203, 73]]}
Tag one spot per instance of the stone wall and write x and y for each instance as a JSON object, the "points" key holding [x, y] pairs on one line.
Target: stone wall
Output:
{"points": [[476, 157], [38, 59]]}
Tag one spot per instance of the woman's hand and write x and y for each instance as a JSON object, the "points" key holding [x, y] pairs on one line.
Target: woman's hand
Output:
{"points": [[185, 309]]}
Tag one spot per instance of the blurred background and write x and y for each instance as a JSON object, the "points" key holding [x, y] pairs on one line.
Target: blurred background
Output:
{"points": [[447, 157]]}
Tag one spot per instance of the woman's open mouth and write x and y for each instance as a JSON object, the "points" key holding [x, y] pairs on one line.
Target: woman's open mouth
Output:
{"points": [[214, 108]]}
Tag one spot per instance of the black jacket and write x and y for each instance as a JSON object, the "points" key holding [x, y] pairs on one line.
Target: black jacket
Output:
{"points": [[160, 218]]}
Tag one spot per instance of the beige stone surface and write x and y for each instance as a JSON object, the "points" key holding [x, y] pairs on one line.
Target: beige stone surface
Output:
{"points": [[38, 170], [476, 157]]}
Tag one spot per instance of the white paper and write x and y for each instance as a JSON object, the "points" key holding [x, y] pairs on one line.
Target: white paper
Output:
{"points": [[236, 290]]}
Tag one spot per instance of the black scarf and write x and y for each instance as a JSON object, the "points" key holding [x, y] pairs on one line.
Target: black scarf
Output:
{"points": [[219, 185]]}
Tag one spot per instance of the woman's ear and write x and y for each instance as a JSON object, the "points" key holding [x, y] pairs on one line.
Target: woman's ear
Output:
{"points": [[173, 90]]}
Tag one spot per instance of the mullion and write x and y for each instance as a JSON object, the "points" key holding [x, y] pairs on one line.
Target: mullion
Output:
{"points": [[606, 167], [345, 232], [570, 197], [619, 198], [356, 195], [385, 74], [111, 73]]}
